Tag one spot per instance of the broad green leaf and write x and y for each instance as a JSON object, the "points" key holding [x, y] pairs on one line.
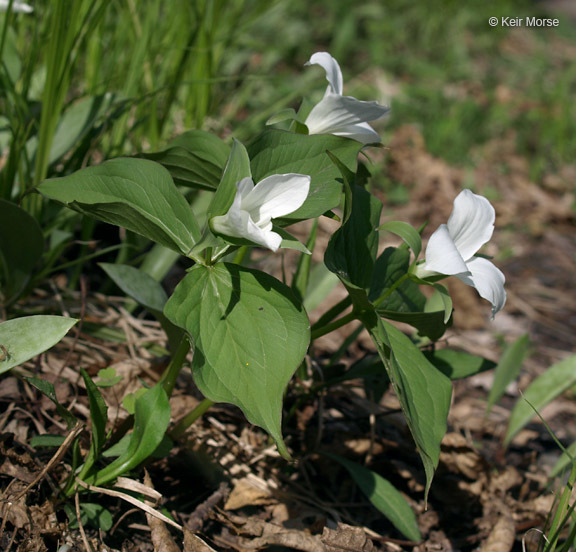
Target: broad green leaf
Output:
{"points": [[151, 419], [384, 496], [134, 193], [429, 324], [544, 389], [281, 152], [458, 364], [21, 246], [47, 389], [24, 338], [98, 416], [424, 392], [195, 159], [352, 249], [249, 335], [407, 233], [237, 168], [508, 369], [137, 284]]}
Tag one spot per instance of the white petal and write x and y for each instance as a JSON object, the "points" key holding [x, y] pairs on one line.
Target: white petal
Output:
{"points": [[471, 223], [330, 65], [361, 132], [276, 196], [238, 224], [488, 281], [16, 6], [334, 112], [442, 256], [244, 187]]}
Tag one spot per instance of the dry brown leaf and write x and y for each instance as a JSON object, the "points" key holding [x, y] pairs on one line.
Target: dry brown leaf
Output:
{"points": [[502, 536], [346, 538], [247, 492], [192, 543]]}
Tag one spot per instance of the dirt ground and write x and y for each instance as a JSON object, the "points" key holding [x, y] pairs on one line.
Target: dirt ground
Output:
{"points": [[225, 488]]}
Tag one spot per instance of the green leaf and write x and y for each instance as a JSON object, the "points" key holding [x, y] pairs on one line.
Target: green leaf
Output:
{"points": [[407, 233], [545, 388], [151, 419], [249, 335], [137, 284], [349, 181], [384, 496], [195, 159], [134, 193], [24, 338], [320, 284], [47, 389], [352, 249], [458, 364], [107, 378], [98, 415], [424, 392], [280, 152], [237, 168], [508, 369], [46, 440], [564, 461], [21, 246], [288, 114], [290, 242]]}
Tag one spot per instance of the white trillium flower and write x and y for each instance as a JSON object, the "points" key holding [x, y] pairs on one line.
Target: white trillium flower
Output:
{"points": [[451, 248], [254, 206], [16, 6], [342, 115]]}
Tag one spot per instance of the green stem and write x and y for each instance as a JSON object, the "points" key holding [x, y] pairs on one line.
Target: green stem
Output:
{"points": [[180, 428], [560, 517], [175, 366], [329, 315], [319, 332], [391, 289]]}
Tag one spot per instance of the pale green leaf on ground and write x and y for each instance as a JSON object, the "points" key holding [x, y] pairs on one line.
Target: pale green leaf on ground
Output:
{"points": [[544, 389], [24, 338], [250, 336]]}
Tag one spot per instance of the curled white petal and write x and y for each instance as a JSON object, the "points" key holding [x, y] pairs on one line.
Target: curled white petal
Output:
{"points": [[276, 196], [361, 132], [488, 281], [442, 255], [254, 206], [334, 113], [471, 223], [342, 115], [333, 72], [17, 6]]}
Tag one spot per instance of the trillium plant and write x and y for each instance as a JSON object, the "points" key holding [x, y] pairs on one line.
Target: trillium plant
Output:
{"points": [[247, 332]]}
